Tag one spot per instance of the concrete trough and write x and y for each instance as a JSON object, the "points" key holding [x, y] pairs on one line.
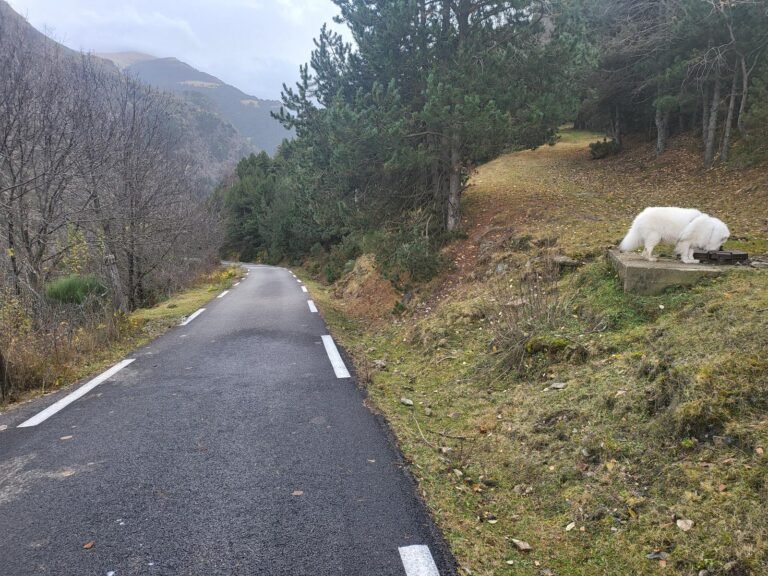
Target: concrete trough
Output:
{"points": [[639, 276]]}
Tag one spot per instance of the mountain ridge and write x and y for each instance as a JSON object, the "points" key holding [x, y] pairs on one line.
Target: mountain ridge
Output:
{"points": [[249, 114]]}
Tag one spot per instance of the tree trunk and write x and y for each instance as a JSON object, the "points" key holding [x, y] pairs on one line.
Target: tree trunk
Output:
{"points": [[12, 256], [709, 146], [5, 379], [704, 114], [743, 106], [729, 119], [454, 187], [662, 123], [119, 301], [616, 125]]}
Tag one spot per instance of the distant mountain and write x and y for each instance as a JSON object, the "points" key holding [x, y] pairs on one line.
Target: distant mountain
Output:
{"points": [[212, 140], [248, 114]]}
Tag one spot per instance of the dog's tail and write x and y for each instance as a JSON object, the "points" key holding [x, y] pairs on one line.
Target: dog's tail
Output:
{"points": [[631, 241]]}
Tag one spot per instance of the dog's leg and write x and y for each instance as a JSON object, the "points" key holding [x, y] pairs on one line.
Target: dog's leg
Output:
{"points": [[686, 253], [650, 243]]}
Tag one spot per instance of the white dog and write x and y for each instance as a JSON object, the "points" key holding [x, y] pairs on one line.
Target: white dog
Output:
{"points": [[687, 228]]}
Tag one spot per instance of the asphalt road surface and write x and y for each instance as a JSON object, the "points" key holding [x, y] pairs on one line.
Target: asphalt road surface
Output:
{"points": [[234, 444]]}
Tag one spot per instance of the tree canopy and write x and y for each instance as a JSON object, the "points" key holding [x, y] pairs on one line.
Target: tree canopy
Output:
{"points": [[390, 126]]}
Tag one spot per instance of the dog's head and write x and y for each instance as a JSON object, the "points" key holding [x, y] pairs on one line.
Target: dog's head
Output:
{"points": [[719, 233]]}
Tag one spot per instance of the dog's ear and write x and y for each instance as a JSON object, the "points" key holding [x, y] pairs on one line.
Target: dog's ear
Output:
{"points": [[713, 229]]}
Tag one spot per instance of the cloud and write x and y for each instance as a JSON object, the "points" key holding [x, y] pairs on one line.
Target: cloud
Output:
{"points": [[255, 45]]}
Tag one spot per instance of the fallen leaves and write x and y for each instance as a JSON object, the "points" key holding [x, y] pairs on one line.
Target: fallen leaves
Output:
{"points": [[88, 545]]}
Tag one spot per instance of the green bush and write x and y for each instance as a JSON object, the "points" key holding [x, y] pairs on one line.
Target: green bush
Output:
{"points": [[604, 149], [340, 257], [74, 289], [418, 258]]}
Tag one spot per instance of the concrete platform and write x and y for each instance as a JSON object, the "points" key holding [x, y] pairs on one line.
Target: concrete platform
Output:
{"points": [[648, 278]]}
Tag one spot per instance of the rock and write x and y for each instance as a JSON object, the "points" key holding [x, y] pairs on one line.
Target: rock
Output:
{"points": [[427, 411], [657, 555], [522, 545], [380, 364], [566, 262], [557, 386], [570, 526], [501, 267], [522, 489], [406, 401], [759, 264], [684, 524]]}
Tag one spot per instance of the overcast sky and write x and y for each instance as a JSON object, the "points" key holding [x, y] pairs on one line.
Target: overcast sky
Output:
{"points": [[255, 45]]}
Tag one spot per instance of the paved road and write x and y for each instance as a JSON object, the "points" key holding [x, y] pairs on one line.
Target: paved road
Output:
{"points": [[229, 446]]}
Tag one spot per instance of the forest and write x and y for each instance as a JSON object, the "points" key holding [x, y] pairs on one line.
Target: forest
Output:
{"points": [[390, 126], [102, 205]]}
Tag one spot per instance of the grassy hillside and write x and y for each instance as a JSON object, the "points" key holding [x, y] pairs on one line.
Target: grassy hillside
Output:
{"points": [[614, 434]]}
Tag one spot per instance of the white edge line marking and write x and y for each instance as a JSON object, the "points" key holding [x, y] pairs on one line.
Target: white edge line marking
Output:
{"points": [[192, 317], [333, 355], [303, 288], [223, 294], [312, 307], [417, 561], [79, 393]]}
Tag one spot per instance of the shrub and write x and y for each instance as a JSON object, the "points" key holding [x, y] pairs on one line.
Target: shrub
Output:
{"points": [[417, 258], [604, 149], [340, 257], [74, 289], [531, 320]]}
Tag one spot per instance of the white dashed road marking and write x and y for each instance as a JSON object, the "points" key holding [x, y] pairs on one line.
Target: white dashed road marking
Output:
{"points": [[418, 561], [79, 393], [303, 288], [223, 294], [312, 307], [333, 355], [192, 317]]}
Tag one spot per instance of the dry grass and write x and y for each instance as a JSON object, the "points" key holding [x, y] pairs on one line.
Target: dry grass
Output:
{"points": [[664, 417]]}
